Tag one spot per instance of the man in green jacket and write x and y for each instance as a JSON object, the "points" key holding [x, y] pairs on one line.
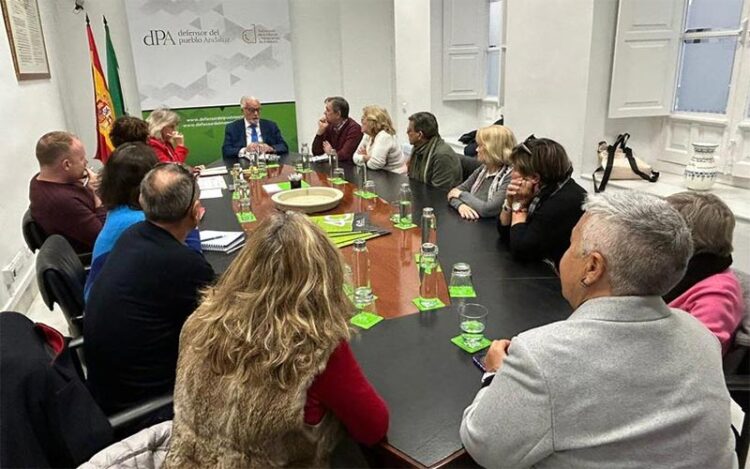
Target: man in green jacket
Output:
{"points": [[432, 160]]}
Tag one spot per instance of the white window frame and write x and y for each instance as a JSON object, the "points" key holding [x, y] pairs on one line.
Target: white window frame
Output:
{"points": [[502, 49], [730, 130]]}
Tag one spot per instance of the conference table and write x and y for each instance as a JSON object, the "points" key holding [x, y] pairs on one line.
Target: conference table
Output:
{"points": [[425, 379]]}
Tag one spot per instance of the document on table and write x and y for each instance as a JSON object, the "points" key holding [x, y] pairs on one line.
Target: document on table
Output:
{"points": [[211, 194], [214, 182], [214, 171]]}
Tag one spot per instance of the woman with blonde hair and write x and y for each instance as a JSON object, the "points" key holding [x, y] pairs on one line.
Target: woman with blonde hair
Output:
{"points": [[482, 194], [167, 142], [265, 376], [379, 148]]}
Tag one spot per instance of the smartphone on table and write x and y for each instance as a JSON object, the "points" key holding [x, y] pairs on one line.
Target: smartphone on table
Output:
{"points": [[478, 360]]}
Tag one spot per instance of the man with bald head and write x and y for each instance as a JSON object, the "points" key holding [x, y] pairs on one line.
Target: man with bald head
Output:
{"points": [[62, 196], [251, 133], [149, 285]]}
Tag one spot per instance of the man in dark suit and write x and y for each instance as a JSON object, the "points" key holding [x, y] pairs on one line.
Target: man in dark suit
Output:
{"points": [[252, 133]]}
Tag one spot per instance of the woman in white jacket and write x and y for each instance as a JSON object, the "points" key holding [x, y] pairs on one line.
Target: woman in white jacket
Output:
{"points": [[379, 148]]}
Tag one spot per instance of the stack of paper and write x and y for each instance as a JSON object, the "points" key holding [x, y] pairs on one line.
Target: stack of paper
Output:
{"points": [[214, 171], [222, 241], [345, 228]]}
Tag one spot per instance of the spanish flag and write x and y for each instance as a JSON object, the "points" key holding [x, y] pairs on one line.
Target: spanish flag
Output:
{"points": [[105, 111]]}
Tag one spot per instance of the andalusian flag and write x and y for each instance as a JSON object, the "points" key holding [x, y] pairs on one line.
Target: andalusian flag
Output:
{"points": [[105, 115], [113, 75]]}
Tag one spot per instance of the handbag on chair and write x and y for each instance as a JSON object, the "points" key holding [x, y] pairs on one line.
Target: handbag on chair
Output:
{"points": [[616, 161]]}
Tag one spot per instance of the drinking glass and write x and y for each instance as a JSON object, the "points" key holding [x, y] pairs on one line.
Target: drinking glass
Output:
{"points": [[473, 320], [339, 174]]}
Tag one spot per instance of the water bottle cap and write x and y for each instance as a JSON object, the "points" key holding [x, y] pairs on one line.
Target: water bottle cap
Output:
{"points": [[427, 211], [429, 248], [461, 268], [360, 244]]}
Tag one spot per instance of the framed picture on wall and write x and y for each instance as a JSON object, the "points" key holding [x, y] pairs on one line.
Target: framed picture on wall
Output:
{"points": [[26, 38]]}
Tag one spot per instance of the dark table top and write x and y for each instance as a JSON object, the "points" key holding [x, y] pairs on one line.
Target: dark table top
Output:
{"points": [[425, 379]]}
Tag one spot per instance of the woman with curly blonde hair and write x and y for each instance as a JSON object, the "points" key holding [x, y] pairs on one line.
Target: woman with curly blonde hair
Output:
{"points": [[482, 194], [379, 148], [265, 376]]}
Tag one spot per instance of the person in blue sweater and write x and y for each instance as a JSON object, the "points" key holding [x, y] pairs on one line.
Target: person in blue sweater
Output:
{"points": [[119, 190]]}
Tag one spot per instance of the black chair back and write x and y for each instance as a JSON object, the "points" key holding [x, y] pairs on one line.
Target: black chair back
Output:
{"points": [[737, 369], [468, 165], [61, 278], [33, 234]]}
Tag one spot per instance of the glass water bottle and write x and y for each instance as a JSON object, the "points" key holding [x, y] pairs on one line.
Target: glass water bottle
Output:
{"points": [[429, 226], [428, 275], [404, 204], [361, 275]]}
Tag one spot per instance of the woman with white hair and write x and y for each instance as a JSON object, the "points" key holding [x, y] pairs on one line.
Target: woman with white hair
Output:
{"points": [[167, 142], [709, 290], [625, 381]]}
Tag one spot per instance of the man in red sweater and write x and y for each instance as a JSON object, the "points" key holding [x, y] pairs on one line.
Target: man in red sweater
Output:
{"points": [[62, 195], [336, 131]]}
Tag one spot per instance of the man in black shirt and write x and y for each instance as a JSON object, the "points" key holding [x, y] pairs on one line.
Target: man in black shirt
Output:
{"points": [[146, 290]]}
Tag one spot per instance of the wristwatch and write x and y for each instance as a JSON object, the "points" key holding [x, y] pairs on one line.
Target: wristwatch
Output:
{"points": [[516, 207]]}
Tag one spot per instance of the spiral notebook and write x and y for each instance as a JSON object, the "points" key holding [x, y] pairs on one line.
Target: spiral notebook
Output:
{"points": [[222, 241]]}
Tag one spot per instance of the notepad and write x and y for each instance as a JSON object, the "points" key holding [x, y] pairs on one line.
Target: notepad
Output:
{"points": [[214, 171], [222, 241]]}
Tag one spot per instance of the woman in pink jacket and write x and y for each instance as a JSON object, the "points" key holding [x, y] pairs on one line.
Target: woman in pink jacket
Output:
{"points": [[709, 290]]}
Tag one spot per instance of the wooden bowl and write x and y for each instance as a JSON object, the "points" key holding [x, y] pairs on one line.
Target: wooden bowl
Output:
{"points": [[308, 199]]}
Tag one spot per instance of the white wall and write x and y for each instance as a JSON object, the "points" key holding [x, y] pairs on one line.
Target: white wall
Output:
{"points": [[30, 109], [341, 47], [547, 70], [76, 84]]}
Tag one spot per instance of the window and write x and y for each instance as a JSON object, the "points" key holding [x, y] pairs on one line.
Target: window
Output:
{"points": [[473, 56], [709, 46], [495, 62], [687, 60]]}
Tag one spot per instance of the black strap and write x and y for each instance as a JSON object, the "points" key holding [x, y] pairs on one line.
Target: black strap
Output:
{"points": [[621, 141]]}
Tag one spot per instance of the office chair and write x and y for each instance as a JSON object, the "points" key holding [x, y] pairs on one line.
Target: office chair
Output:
{"points": [[468, 165], [33, 234], [737, 369], [51, 418], [61, 278]]}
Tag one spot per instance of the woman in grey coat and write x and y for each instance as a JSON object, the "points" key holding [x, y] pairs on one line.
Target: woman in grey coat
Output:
{"points": [[483, 193]]}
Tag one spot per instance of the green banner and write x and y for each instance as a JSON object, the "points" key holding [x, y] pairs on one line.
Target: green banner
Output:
{"points": [[203, 128]]}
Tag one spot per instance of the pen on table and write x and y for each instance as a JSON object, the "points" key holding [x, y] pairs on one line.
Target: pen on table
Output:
{"points": [[210, 238]]}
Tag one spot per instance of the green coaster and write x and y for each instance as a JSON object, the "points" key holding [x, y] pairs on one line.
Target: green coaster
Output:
{"points": [[366, 319], [458, 341], [245, 217], [236, 195], [462, 292], [366, 195], [338, 181], [404, 226], [420, 303], [272, 165]]}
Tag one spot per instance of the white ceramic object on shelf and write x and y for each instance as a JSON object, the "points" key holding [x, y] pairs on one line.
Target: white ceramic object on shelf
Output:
{"points": [[701, 171]]}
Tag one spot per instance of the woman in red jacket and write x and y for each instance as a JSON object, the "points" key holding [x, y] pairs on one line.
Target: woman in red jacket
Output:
{"points": [[265, 376], [167, 142]]}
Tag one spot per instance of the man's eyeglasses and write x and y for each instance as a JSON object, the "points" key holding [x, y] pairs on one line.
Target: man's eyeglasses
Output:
{"points": [[524, 145], [193, 177], [252, 109]]}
